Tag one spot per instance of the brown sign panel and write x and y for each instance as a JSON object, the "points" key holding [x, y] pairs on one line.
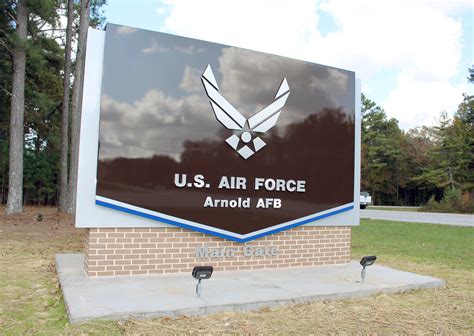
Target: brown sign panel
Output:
{"points": [[220, 139]]}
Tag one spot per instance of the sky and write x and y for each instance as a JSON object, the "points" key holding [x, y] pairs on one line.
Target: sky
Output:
{"points": [[412, 56]]}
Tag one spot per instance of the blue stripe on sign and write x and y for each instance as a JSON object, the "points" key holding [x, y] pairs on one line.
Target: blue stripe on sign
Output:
{"points": [[218, 234]]}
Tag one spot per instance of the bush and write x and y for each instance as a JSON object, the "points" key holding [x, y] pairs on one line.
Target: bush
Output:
{"points": [[451, 203]]}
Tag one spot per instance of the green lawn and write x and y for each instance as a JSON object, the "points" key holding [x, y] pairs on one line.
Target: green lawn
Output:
{"points": [[421, 243], [31, 301]]}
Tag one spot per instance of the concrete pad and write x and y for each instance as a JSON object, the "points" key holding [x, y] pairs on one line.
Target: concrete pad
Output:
{"points": [[174, 295]]}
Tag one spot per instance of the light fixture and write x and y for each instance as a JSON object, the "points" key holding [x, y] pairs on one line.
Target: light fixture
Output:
{"points": [[201, 273], [366, 261]]}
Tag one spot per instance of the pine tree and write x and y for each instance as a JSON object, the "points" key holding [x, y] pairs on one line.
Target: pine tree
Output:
{"points": [[17, 111], [381, 154], [63, 176], [76, 113]]}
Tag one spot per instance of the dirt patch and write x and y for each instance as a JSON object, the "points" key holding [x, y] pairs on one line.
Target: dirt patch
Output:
{"points": [[37, 222]]}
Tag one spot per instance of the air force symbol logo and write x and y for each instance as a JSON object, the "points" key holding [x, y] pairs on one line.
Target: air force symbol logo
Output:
{"points": [[228, 116]]}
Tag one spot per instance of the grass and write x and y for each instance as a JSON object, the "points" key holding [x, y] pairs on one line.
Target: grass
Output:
{"points": [[387, 208], [30, 297], [31, 301], [416, 242]]}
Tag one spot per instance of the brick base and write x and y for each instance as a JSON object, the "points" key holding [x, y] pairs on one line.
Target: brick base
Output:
{"points": [[134, 251]]}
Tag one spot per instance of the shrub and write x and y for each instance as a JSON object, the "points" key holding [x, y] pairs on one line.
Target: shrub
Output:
{"points": [[451, 203]]}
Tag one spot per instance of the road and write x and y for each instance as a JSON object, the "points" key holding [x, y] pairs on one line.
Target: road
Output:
{"points": [[420, 217]]}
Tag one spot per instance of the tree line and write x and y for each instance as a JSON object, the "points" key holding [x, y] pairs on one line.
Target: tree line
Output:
{"points": [[40, 86], [41, 64], [411, 167]]}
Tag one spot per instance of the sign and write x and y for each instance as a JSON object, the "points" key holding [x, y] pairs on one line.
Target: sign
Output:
{"points": [[204, 252], [222, 140]]}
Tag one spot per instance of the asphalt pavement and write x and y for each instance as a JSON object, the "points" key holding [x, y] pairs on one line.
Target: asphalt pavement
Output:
{"points": [[419, 217]]}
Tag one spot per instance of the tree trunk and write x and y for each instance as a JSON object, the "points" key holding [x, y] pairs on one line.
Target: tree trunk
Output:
{"points": [[15, 174], [450, 174], [397, 203], [76, 112], [63, 183]]}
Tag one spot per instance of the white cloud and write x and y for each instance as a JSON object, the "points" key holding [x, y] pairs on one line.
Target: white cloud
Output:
{"points": [[191, 81], [190, 50], [249, 82], [280, 27], [415, 39], [374, 35], [419, 102], [124, 30], [153, 48], [139, 121], [418, 40], [160, 10]]}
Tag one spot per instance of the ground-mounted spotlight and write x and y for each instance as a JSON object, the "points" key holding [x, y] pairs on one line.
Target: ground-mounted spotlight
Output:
{"points": [[366, 261], [201, 273]]}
